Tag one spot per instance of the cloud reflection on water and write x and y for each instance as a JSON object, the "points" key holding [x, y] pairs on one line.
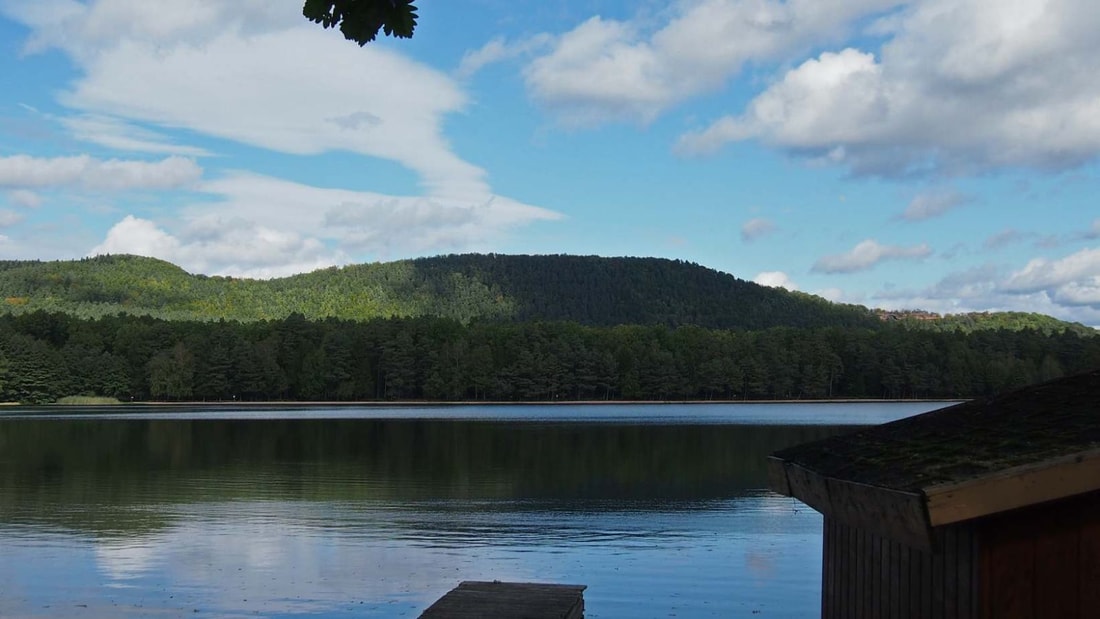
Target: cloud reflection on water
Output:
{"points": [[378, 518]]}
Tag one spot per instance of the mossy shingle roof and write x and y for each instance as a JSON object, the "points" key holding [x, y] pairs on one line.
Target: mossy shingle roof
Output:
{"points": [[967, 441]]}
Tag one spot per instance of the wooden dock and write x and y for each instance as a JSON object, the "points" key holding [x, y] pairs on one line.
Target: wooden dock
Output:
{"points": [[509, 600]]}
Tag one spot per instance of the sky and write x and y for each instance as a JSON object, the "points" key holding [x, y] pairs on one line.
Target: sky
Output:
{"points": [[932, 154]]}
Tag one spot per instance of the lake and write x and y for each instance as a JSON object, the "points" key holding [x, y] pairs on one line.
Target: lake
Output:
{"points": [[289, 511]]}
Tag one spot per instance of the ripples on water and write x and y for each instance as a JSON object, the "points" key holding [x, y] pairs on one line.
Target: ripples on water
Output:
{"points": [[660, 510]]}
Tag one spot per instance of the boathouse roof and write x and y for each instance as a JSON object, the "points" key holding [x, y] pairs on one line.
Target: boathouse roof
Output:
{"points": [[985, 456]]}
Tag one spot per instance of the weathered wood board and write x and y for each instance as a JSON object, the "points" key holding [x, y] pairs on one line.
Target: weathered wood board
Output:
{"points": [[509, 600]]}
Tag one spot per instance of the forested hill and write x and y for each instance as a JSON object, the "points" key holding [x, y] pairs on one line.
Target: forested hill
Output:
{"points": [[646, 291], [509, 328], [588, 290]]}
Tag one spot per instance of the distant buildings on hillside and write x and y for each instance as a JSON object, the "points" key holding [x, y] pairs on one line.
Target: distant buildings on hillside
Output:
{"points": [[889, 315]]}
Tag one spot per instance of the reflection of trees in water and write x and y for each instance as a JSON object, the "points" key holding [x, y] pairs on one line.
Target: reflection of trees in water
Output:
{"points": [[116, 467]]}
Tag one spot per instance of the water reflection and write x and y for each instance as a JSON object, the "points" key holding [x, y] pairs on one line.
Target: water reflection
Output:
{"points": [[377, 518], [592, 467]]}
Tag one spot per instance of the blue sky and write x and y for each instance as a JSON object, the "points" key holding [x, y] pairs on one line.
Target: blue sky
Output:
{"points": [[934, 154]]}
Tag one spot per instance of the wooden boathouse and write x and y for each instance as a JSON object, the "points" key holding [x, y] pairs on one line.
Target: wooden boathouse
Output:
{"points": [[989, 509]]}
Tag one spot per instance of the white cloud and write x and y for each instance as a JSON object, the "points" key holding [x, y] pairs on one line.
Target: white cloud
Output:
{"points": [[391, 225], [1004, 238], [231, 247], [472, 61], [1068, 289], [23, 171], [961, 86], [932, 204], [257, 73], [24, 198], [498, 50], [9, 218], [1094, 230], [259, 226], [87, 28], [867, 254], [966, 291], [116, 133], [1085, 293], [1072, 280], [836, 295], [756, 228], [969, 286], [137, 236], [775, 279], [788, 112], [608, 70]]}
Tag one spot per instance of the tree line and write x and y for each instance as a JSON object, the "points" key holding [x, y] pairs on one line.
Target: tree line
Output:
{"points": [[45, 356]]}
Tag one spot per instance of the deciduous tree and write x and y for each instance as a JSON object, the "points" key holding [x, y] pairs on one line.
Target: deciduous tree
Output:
{"points": [[360, 20]]}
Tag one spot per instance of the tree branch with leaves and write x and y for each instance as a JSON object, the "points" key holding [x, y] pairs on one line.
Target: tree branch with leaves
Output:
{"points": [[360, 20]]}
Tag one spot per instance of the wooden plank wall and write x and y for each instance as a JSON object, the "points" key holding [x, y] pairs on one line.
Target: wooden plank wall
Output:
{"points": [[1043, 561], [865, 575]]}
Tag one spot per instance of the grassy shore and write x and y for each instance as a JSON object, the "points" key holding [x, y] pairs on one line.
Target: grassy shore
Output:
{"points": [[88, 400]]}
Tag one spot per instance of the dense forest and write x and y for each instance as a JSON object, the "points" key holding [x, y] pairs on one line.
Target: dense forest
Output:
{"points": [[45, 356], [584, 289], [587, 290], [492, 327]]}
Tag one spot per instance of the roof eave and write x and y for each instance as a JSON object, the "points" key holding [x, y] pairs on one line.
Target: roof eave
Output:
{"points": [[1038, 482], [911, 517], [891, 513]]}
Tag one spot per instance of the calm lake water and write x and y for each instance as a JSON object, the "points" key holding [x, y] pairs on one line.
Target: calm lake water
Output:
{"points": [[662, 510]]}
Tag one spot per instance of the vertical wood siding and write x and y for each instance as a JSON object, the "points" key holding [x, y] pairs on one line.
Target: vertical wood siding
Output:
{"points": [[867, 576], [1043, 561]]}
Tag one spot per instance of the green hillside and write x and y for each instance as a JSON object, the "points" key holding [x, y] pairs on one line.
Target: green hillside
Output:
{"points": [[588, 290], [584, 289], [1009, 321], [490, 327]]}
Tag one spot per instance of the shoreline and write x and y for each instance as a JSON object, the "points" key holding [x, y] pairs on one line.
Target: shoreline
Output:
{"points": [[456, 403]]}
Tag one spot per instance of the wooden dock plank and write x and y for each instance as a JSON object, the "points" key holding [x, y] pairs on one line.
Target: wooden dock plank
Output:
{"points": [[509, 600]]}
